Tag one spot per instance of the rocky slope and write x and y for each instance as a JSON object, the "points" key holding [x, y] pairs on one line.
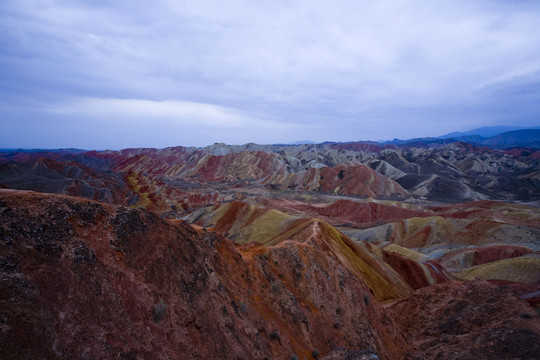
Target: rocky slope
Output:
{"points": [[461, 172], [65, 177], [246, 223], [81, 279], [416, 245], [472, 320]]}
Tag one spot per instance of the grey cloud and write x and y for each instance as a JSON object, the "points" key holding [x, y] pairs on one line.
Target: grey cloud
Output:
{"points": [[346, 67]]}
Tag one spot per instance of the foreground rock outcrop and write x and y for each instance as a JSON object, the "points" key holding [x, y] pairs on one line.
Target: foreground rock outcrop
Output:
{"points": [[471, 320], [81, 279]]}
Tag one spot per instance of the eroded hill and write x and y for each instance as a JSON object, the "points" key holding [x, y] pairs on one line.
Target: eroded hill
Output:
{"points": [[181, 178], [82, 279], [256, 251]]}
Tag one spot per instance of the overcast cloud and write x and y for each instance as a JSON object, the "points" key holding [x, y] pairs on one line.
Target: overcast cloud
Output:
{"points": [[114, 74]]}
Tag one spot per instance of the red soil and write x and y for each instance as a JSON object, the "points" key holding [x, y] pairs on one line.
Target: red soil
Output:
{"points": [[354, 212], [527, 292], [472, 320], [413, 272], [358, 180], [410, 270], [486, 254], [81, 279]]}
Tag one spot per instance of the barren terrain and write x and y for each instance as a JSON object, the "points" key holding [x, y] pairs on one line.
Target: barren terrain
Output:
{"points": [[337, 251]]}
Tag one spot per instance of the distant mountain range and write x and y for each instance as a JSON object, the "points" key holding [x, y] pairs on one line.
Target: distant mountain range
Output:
{"points": [[485, 132], [301, 142], [496, 137]]}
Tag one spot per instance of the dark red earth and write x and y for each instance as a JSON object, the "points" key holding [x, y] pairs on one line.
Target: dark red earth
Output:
{"points": [[81, 279], [471, 320]]}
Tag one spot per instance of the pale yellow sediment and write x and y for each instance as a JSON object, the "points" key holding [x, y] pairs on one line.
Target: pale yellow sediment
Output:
{"points": [[523, 269]]}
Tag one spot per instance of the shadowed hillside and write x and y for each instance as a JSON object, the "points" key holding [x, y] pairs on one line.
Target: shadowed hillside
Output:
{"points": [[130, 284], [82, 279]]}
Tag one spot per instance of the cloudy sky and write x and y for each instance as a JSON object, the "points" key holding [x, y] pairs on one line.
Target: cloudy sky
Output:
{"points": [[100, 74]]}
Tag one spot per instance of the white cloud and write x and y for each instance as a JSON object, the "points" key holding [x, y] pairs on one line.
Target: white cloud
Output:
{"points": [[172, 112]]}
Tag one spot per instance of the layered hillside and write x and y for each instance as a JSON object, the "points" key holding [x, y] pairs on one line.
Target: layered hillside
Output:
{"points": [[461, 172], [245, 223], [449, 172], [414, 245], [65, 177], [83, 279]]}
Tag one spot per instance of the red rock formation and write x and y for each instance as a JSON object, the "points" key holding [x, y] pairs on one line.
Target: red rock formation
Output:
{"points": [[64, 177], [80, 279], [436, 171], [411, 271], [358, 180], [472, 320], [460, 259], [527, 292], [416, 274], [254, 166], [355, 212]]}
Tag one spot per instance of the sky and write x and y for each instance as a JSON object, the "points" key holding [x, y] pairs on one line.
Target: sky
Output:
{"points": [[100, 74]]}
